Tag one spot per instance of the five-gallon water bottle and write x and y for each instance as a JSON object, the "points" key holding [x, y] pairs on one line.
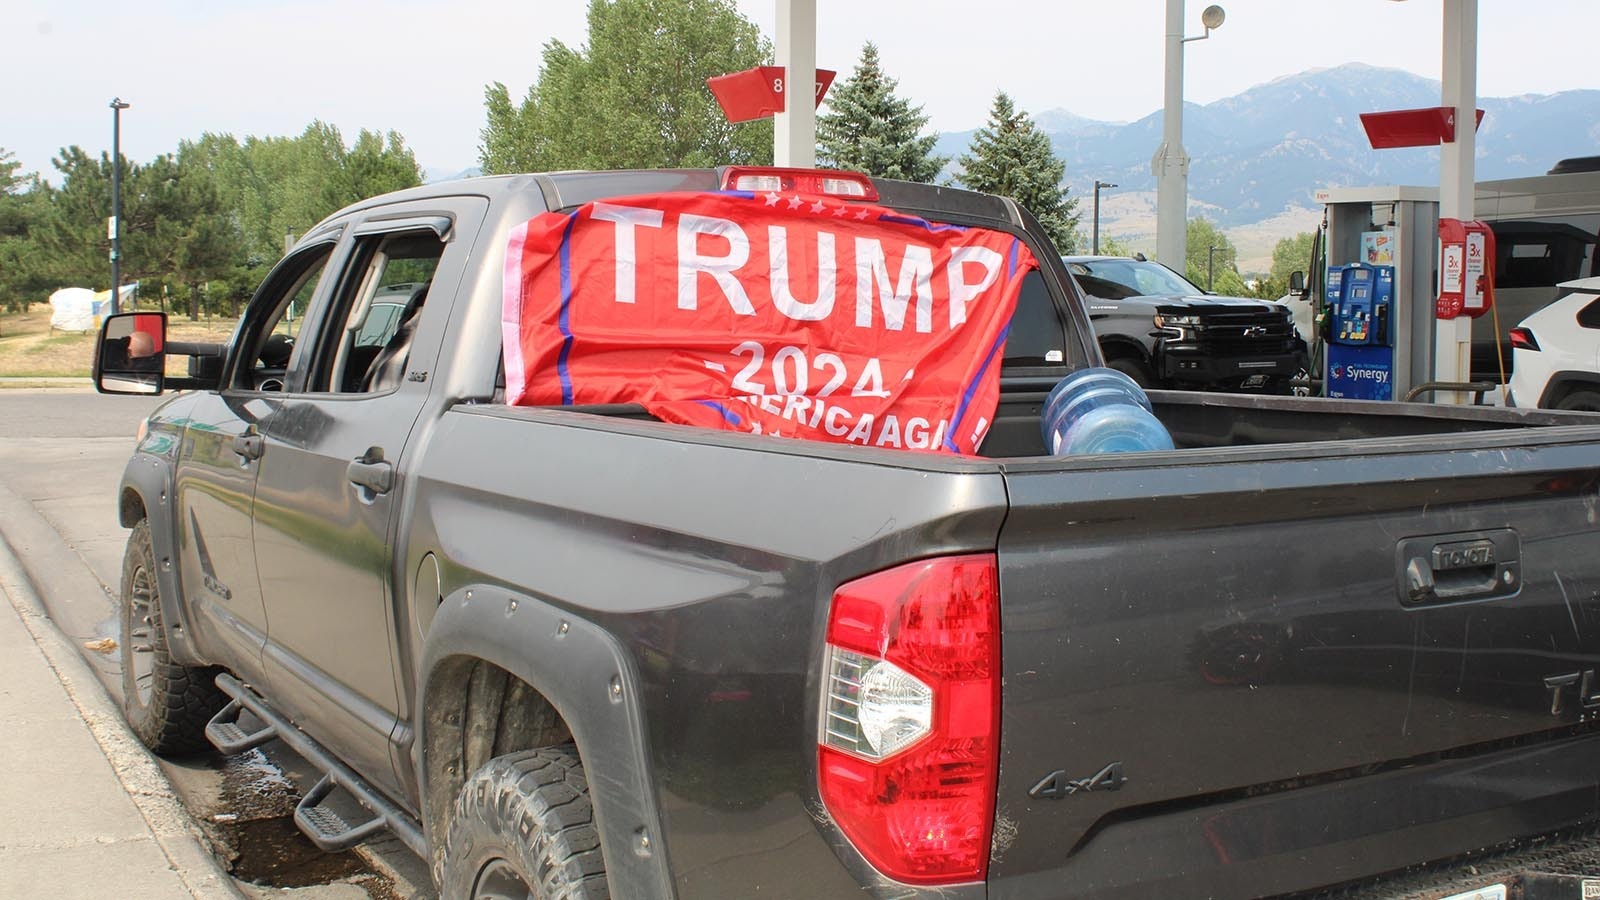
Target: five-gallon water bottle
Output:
{"points": [[1100, 411]]}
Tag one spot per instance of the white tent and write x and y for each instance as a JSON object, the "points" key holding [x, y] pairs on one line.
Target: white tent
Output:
{"points": [[80, 309], [75, 309]]}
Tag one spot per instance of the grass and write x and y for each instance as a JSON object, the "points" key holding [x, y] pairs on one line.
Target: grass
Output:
{"points": [[30, 349]]}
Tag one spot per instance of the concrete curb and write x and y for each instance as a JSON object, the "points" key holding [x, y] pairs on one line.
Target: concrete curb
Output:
{"points": [[151, 793]]}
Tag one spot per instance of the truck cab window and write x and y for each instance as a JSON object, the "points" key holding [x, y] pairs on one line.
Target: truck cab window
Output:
{"points": [[271, 340], [380, 307], [1036, 337]]}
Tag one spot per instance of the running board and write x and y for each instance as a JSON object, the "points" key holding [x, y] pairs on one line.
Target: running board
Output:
{"points": [[227, 735], [326, 828]]}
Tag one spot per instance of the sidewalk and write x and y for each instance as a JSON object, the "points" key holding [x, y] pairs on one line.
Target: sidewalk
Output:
{"points": [[87, 813]]}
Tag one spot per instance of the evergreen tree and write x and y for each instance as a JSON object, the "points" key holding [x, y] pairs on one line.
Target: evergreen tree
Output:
{"points": [[635, 96], [1011, 157], [24, 202], [869, 129]]}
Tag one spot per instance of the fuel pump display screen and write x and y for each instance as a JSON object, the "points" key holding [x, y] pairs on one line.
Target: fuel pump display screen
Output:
{"points": [[1359, 284]]}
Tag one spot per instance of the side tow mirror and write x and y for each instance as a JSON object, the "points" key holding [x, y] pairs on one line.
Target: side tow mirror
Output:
{"points": [[1297, 282], [131, 357]]}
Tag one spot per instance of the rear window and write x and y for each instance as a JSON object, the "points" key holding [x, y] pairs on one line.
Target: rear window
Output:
{"points": [[1589, 316], [1036, 337]]}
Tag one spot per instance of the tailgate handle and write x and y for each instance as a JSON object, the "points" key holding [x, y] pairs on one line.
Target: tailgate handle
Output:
{"points": [[1450, 568]]}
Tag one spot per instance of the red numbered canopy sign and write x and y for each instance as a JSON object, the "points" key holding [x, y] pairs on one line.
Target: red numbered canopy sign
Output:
{"points": [[771, 313]]}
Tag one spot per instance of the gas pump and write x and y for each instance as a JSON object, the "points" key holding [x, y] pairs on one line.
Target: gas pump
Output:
{"points": [[1361, 339], [1392, 232]]}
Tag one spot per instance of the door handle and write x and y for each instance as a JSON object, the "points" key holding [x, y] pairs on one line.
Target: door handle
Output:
{"points": [[250, 444], [371, 471], [1449, 568]]}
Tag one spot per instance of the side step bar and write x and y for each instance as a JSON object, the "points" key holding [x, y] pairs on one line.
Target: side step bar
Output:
{"points": [[325, 827]]}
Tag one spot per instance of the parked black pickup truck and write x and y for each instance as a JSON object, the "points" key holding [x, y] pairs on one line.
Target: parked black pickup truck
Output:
{"points": [[573, 652], [1163, 331]]}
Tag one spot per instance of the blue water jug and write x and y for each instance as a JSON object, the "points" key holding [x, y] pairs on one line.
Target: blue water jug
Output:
{"points": [[1100, 411]]}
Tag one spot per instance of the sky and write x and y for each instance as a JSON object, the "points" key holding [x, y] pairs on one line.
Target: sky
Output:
{"points": [[269, 67]]}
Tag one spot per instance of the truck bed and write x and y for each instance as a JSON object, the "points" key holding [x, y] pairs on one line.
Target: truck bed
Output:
{"points": [[1228, 623]]}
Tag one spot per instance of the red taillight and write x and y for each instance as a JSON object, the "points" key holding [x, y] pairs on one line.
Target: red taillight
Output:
{"points": [[826, 182], [1523, 339], [910, 742]]}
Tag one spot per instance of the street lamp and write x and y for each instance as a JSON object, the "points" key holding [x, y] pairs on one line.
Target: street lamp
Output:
{"points": [[1095, 241], [1211, 253], [114, 227], [1171, 162]]}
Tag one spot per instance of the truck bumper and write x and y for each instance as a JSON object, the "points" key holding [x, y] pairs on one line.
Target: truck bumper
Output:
{"points": [[1202, 367]]}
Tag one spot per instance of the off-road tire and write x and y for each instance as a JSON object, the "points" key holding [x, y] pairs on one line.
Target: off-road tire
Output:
{"points": [[182, 699], [1132, 368], [525, 817], [1581, 400]]}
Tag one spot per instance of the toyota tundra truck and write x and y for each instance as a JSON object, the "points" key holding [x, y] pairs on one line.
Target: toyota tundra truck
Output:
{"points": [[578, 650]]}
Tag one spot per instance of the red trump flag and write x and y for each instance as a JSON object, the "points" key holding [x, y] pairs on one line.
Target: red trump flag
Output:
{"points": [[771, 313]]}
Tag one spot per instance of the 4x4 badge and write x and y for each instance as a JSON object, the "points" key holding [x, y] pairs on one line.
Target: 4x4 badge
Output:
{"points": [[1057, 785]]}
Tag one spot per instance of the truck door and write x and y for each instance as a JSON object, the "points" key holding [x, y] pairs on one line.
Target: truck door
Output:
{"points": [[216, 473], [331, 476]]}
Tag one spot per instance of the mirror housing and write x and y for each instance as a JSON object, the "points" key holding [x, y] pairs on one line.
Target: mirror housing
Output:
{"points": [[131, 356], [1297, 282]]}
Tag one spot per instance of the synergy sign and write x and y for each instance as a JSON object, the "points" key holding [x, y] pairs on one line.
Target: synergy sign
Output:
{"points": [[771, 313], [1369, 380]]}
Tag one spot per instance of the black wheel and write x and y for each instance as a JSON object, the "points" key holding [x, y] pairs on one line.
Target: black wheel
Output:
{"points": [[1132, 368], [523, 829], [1581, 401], [166, 704]]}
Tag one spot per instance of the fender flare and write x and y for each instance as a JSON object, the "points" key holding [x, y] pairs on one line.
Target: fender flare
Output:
{"points": [[1115, 342], [1562, 381], [148, 478], [586, 674]]}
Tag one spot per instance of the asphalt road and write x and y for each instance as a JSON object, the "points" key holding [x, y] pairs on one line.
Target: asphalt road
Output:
{"points": [[61, 458], [62, 452]]}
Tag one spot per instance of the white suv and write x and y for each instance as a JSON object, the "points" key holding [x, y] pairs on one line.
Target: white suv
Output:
{"points": [[1556, 352]]}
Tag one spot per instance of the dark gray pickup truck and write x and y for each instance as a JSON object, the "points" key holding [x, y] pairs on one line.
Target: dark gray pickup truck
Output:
{"points": [[576, 652]]}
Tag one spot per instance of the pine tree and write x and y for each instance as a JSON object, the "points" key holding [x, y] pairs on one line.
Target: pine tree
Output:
{"points": [[869, 129], [1011, 157]]}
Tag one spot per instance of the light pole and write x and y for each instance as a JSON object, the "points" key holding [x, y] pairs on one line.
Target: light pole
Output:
{"points": [[1171, 162], [1095, 241], [1210, 255], [794, 131], [115, 226]]}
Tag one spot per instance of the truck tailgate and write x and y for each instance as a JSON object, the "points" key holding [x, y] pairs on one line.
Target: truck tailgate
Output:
{"points": [[1252, 671]]}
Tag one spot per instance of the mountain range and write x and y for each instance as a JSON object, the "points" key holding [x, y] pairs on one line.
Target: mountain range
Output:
{"points": [[1257, 157]]}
